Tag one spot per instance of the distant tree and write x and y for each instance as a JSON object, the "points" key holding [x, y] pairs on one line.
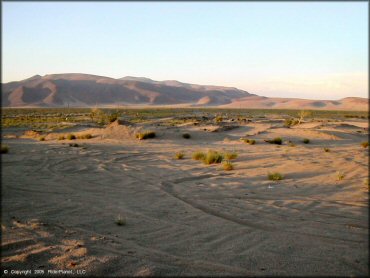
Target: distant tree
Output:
{"points": [[302, 114]]}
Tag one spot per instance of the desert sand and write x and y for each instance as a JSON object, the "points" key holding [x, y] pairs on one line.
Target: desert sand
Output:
{"points": [[60, 203]]}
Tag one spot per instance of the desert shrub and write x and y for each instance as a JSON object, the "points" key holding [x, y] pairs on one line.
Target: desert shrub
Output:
{"points": [[213, 157], [290, 122], [340, 175], [145, 135], [112, 117], [326, 150], [4, 149], [179, 155], [71, 137], [198, 155], [275, 176], [120, 220], [230, 155], [74, 145], [277, 141], [291, 144], [306, 141], [219, 119], [42, 138], [227, 165], [249, 141], [365, 144], [85, 136], [186, 135], [61, 137]]}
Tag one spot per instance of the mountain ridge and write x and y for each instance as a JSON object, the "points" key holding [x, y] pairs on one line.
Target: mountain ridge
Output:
{"points": [[86, 90]]}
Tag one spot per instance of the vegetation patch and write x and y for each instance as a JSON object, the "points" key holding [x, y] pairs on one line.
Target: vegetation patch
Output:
{"points": [[61, 137], [4, 149], [227, 165], [249, 141], [306, 141], [179, 155], [275, 176], [198, 155], [290, 122], [213, 157], [340, 175], [71, 137], [42, 138], [230, 155], [365, 144], [277, 141], [85, 136], [186, 136], [326, 150], [145, 135], [120, 220]]}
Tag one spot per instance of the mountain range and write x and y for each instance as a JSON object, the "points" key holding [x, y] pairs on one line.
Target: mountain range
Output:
{"points": [[85, 90]]}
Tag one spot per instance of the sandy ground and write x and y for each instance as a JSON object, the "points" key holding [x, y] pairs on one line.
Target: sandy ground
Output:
{"points": [[59, 203]]}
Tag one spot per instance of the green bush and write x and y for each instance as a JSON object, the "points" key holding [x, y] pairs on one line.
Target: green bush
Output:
{"points": [[306, 141], [186, 136], [275, 176]]}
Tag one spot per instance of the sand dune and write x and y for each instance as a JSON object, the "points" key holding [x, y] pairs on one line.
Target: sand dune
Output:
{"points": [[184, 217]]}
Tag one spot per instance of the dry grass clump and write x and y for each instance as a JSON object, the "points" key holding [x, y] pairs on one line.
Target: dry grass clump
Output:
{"points": [[145, 135], [179, 155], [291, 144], [290, 122], [61, 137], [277, 141], [306, 141], [227, 165], [42, 138], [275, 176], [186, 136], [213, 157], [365, 144], [71, 137], [249, 141], [230, 155], [120, 220], [326, 150], [198, 155], [4, 149], [340, 175], [219, 119], [85, 136]]}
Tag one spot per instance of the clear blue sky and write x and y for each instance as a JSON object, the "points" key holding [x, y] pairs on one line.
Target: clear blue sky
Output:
{"points": [[286, 49]]}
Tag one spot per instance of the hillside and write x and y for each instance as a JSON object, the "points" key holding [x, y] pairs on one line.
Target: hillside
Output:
{"points": [[84, 90]]}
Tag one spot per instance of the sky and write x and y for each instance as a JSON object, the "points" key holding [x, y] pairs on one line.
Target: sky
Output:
{"points": [[315, 50]]}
